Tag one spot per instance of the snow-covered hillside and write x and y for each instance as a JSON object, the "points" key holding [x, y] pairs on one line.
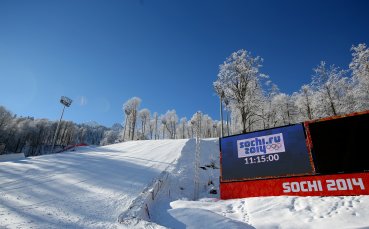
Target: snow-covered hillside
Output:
{"points": [[97, 187], [87, 188]]}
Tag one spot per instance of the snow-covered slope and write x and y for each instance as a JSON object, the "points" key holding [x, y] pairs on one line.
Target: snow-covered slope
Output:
{"points": [[87, 188], [92, 187]]}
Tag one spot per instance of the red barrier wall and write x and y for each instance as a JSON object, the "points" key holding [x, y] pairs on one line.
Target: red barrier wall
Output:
{"points": [[318, 185]]}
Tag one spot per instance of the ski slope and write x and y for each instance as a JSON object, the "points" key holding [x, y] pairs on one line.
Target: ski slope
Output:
{"points": [[93, 186], [87, 188]]}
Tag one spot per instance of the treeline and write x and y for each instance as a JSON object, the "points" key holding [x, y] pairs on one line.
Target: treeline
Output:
{"points": [[254, 102], [140, 124], [34, 136]]}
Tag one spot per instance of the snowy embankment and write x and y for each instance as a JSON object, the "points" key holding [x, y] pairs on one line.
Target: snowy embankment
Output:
{"points": [[146, 184], [86, 188]]}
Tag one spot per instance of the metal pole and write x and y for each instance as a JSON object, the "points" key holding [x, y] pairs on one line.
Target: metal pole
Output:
{"points": [[57, 130], [228, 123], [221, 116], [156, 127], [197, 155]]}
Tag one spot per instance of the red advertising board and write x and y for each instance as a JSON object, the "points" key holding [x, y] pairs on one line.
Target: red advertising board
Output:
{"points": [[318, 185]]}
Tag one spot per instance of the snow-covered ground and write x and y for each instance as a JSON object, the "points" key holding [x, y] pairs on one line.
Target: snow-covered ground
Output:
{"points": [[87, 188], [91, 187], [11, 157]]}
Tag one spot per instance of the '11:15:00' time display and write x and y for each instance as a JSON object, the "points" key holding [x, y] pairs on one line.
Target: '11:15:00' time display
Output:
{"points": [[261, 159]]}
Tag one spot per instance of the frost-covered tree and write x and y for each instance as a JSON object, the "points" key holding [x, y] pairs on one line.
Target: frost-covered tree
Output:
{"points": [[207, 126], [117, 127], [144, 115], [284, 108], [193, 125], [170, 120], [303, 101], [215, 129], [5, 121], [196, 122], [91, 134], [127, 113], [163, 125], [360, 76], [183, 127], [268, 111], [328, 84], [156, 119], [190, 129], [5, 117], [131, 108], [151, 128], [239, 82], [110, 137]]}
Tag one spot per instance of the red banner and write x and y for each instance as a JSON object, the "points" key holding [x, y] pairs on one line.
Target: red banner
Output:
{"points": [[324, 185]]}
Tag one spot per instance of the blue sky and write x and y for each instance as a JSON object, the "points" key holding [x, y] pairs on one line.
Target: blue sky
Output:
{"points": [[101, 53]]}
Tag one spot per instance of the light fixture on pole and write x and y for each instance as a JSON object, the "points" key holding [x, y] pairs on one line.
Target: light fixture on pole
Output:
{"points": [[66, 103], [220, 93], [221, 113]]}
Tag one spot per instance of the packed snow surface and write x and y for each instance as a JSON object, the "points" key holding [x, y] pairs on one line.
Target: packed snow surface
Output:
{"points": [[87, 188], [92, 186]]}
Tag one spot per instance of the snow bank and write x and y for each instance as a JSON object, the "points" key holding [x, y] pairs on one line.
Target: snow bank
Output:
{"points": [[140, 207], [285, 212], [201, 218]]}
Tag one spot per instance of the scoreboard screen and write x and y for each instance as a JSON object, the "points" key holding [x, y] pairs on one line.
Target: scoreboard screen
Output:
{"points": [[268, 153]]}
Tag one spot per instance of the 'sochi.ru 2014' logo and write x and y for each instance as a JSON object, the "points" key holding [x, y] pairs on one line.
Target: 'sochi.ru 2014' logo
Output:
{"points": [[260, 145]]}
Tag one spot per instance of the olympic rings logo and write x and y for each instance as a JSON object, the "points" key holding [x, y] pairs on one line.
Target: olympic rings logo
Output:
{"points": [[274, 146]]}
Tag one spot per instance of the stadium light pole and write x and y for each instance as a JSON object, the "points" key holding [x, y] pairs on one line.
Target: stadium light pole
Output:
{"points": [[66, 103], [221, 114], [220, 92], [226, 101], [197, 155]]}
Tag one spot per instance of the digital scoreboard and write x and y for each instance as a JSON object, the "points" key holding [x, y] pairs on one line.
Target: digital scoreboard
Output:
{"points": [[265, 154], [324, 157]]}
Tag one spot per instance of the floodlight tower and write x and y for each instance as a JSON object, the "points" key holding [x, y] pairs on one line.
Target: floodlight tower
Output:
{"points": [[221, 113], [66, 103], [197, 154], [221, 94], [226, 102]]}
